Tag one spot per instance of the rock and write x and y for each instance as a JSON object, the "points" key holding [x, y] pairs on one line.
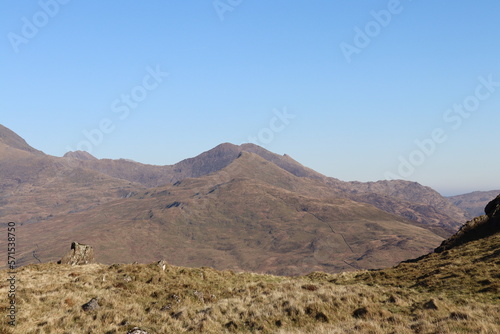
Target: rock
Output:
{"points": [[166, 307], [231, 325], [162, 264], [478, 228], [199, 295], [177, 315], [79, 254], [431, 305], [393, 300], [492, 207], [362, 312], [137, 330], [91, 305], [321, 317]]}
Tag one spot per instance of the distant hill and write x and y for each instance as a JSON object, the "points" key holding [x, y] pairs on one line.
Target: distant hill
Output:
{"points": [[407, 199], [35, 187], [203, 164], [240, 207], [474, 203]]}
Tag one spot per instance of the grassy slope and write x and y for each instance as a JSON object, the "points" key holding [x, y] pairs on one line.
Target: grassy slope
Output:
{"points": [[453, 292]]}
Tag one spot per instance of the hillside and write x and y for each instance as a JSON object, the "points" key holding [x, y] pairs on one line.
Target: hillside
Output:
{"points": [[407, 199], [35, 187], [251, 215], [410, 200], [452, 291], [474, 203], [232, 207]]}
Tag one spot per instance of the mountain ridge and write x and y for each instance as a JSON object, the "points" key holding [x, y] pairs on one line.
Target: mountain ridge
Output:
{"points": [[416, 198], [314, 221], [13, 140]]}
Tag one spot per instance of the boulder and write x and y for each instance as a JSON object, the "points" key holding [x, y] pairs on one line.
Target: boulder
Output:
{"points": [[162, 264], [79, 254], [91, 305]]}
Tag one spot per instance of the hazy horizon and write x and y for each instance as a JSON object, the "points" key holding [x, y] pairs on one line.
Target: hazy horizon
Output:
{"points": [[385, 89]]}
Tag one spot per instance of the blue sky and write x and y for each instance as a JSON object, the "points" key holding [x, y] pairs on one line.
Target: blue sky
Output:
{"points": [[385, 109]]}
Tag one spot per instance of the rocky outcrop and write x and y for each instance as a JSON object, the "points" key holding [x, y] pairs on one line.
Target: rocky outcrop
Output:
{"points": [[478, 228], [162, 264], [79, 254], [493, 207]]}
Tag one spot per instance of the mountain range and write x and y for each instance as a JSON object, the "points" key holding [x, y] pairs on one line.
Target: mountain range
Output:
{"points": [[238, 207]]}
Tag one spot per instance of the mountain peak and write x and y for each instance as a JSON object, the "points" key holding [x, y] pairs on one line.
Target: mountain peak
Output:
{"points": [[11, 139], [79, 155]]}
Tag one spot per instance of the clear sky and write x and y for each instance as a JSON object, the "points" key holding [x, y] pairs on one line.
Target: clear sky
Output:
{"points": [[357, 90]]}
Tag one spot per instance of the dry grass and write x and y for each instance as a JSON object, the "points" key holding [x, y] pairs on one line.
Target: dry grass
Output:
{"points": [[204, 300], [456, 291]]}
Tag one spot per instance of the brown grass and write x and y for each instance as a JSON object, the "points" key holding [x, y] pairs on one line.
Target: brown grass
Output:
{"points": [[204, 300], [456, 291]]}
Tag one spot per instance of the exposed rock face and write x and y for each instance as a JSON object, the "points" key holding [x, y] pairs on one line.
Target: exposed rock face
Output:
{"points": [[79, 254], [478, 228]]}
